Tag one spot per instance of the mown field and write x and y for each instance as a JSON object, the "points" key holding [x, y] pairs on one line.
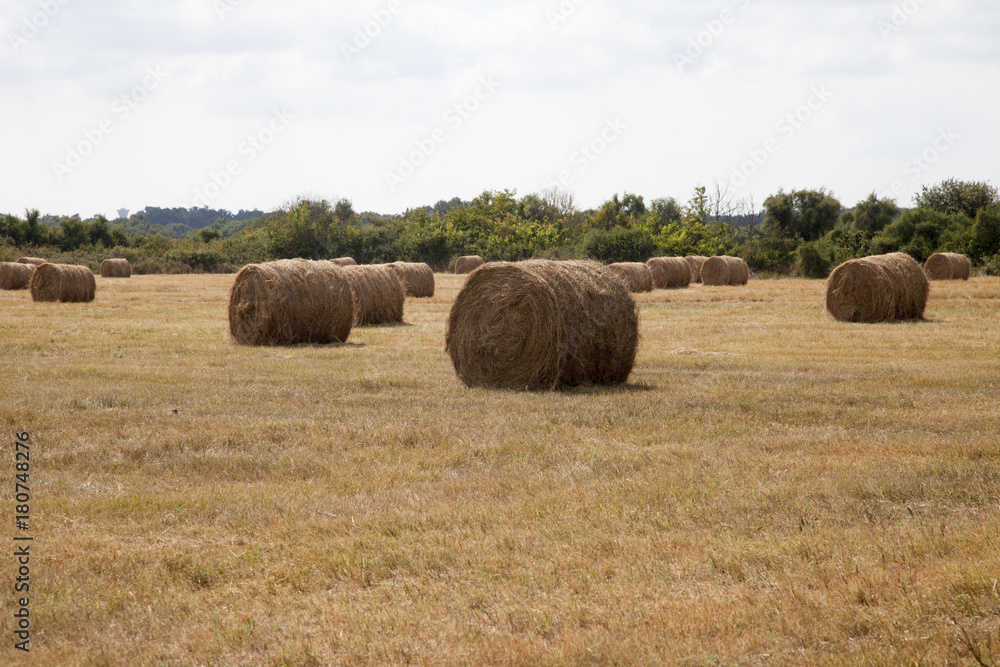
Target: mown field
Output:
{"points": [[771, 487]]}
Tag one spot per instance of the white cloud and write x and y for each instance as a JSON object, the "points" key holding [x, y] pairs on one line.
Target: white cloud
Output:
{"points": [[558, 85]]}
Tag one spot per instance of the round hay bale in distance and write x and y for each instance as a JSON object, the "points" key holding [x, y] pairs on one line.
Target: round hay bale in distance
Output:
{"points": [[638, 277], [877, 289], [659, 270], [468, 264], [669, 272], [694, 263], [344, 261], [417, 278], [290, 301], [31, 260], [116, 268], [377, 294], [15, 276], [540, 324], [68, 283], [725, 270], [948, 266]]}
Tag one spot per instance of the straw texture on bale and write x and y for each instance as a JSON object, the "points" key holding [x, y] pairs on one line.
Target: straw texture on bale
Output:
{"points": [[31, 260], [63, 282], [468, 264], [695, 262], [14, 275], [417, 278], [344, 261], [725, 270], [948, 266], [290, 301], [540, 324], [377, 294], [116, 268], [669, 272], [877, 289], [638, 277]]}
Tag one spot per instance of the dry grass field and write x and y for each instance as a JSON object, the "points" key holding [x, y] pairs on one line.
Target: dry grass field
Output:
{"points": [[771, 487]]}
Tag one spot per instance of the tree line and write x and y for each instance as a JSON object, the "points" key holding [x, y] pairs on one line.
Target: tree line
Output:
{"points": [[804, 232]]}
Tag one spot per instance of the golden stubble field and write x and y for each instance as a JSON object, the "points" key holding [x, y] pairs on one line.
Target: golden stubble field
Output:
{"points": [[771, 487]]}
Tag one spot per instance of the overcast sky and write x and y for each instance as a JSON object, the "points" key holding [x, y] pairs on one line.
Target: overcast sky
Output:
{"points": [[400, 103]]}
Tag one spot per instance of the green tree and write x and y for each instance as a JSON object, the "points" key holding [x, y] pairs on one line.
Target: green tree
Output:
{"points": [[36, 232], [698, 207], [293, 231], [627, 211], [920, 232], [985, 233], [954, 196], [870, 215], [74, 233], [99, 231], [805, 214], [207, 235], [664, 211]]}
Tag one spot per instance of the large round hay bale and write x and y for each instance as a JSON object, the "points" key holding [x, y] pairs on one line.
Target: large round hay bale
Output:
{"points": [[417, 278], [694, 263], [948, 266], [468, 264], [377, 294], [63, 282], [659, 270], [877, 289], [31, 260], [116, 268], [669, 272], [637, 275], [290, 301], [344, 261], [541, 324], [725, 270], [15, 276]]}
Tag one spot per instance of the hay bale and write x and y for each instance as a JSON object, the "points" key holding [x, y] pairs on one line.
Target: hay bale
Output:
{"points": [[116, 268], [344, 261], [290, 301], [417, 278], [468, 264], [638, 277], [31, 260], [948, 266], [725, 270], [15, 276], [541, 324], [694, 263], [669, 272], [659, 270], [877, 289], [62, 282], [377, 294]]}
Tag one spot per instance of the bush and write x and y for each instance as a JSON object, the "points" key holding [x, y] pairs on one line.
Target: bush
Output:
{"points": [[620, 245], [812, 262]]}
